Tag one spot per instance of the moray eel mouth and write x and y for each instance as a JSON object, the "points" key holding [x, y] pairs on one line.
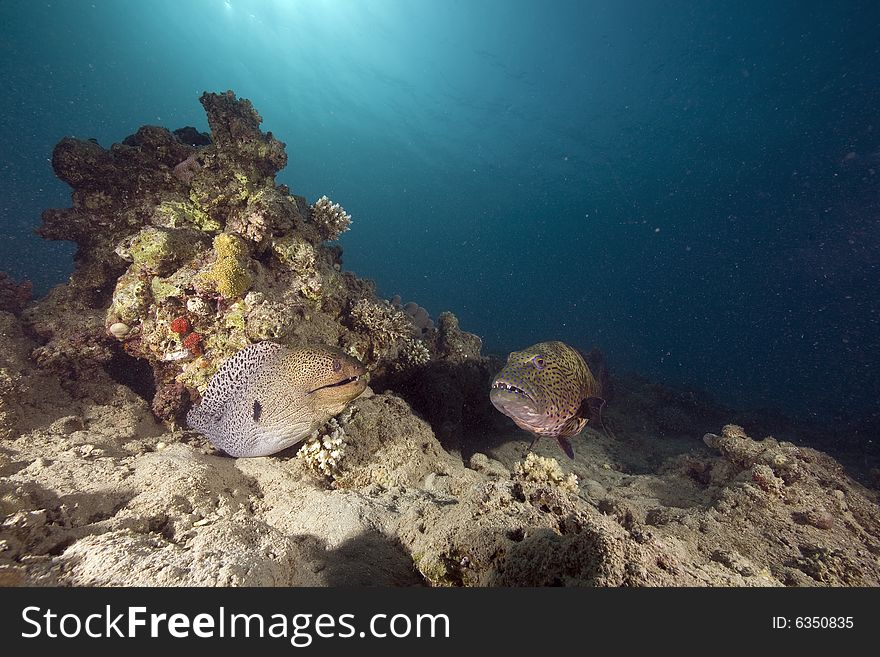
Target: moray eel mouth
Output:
{"points": [[356, 379]]}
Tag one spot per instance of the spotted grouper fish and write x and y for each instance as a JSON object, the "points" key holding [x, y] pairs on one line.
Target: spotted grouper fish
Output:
{"points": [[268, 397], [549, 390]]}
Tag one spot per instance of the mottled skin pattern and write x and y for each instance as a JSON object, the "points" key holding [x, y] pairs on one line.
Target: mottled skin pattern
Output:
{"points": [[548, 390], [268, 397]]}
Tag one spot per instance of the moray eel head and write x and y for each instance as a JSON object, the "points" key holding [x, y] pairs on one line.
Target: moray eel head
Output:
{"points": [[335, 378], [268, 397]]}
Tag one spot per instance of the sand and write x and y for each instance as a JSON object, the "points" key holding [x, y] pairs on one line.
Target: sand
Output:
{"points": [[95, 492]]}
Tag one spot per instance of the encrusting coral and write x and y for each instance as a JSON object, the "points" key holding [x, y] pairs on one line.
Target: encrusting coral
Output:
{"points": [[13, 296], [177, 227], [228, 276]]}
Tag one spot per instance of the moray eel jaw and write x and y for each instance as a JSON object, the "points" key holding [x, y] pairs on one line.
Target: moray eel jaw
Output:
{"points": [[332, 397]]}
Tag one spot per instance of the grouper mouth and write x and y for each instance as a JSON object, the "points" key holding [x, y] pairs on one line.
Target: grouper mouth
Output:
{"points": [[514, 401], [500, 384]]}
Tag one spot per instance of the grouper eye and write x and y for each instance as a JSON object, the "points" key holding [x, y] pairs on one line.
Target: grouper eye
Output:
{"points": [[538, 362]]}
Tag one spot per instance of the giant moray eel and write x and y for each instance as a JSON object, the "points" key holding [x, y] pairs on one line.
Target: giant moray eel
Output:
{"points": [[548, 390], [268, 397]]}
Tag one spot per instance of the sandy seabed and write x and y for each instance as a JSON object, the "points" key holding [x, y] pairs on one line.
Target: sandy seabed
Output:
{"points": [[95, 492]]}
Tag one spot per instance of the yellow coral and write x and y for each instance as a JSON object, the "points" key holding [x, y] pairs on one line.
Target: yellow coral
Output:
{"points": [[229, 274], [230, 278], [229, 246]]}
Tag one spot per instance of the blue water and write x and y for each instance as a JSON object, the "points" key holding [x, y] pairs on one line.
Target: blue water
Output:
{"points": [[691, 185]]}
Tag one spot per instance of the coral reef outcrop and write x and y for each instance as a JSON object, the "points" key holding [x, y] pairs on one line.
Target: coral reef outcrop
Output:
{"points": [[178, 226]]}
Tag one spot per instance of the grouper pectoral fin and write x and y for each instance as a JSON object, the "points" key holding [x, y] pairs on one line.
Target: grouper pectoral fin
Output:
{"points": [[534, 442], [564, 443], [591, 409]]}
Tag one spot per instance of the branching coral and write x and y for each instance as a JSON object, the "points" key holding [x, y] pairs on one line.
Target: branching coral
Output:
{"points": [[329, 218], [387, 330], [324, 449], [413, 353], [542, 470], [384, 324]]}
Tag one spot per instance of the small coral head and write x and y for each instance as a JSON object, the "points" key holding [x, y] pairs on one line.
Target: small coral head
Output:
{"points": [[180, 325]]}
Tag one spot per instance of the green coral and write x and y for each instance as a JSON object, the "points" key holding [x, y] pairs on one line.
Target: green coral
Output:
{"points": [[235, 316], [229, 274], [244, 184], [219, 191], [162, 289], [177, 214], [197, 374], [131, 298], [295, 253], [159, 250]]}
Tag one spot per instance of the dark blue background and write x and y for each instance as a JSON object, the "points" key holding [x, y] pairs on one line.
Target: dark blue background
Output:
{"points": [[690, 185]]}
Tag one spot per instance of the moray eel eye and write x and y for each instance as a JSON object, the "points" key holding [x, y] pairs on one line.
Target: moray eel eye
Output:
{"points": [[337, 365], [538, 362]]}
